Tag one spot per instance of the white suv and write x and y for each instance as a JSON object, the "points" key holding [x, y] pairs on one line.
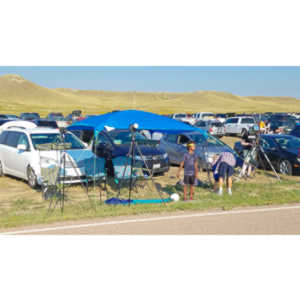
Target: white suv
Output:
{"points": [[25, 152], [238, 125]]}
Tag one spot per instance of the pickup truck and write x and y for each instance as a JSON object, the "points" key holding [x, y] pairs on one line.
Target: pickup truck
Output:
{"points": [[238, 125]]}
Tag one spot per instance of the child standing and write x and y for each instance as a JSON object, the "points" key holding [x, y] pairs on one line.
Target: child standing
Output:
{"points": [[190, 164]]}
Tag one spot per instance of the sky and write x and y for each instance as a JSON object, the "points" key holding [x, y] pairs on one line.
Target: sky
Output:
{"points": [[242, 81]]}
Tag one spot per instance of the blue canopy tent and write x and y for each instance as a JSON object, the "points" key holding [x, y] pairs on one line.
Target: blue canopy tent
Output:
{"points": [[123, 119]]}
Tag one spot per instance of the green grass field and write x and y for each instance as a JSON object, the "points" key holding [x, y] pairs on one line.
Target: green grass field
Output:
{"points": [[23, 206]]}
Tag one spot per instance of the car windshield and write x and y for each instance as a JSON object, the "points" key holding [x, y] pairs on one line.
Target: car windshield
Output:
{"points": [[124, 137], [201, 139], [70, 140], [57, 117], [288, 142]]}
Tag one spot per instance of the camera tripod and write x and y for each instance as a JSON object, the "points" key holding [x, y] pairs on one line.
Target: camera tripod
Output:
{"points": [[207, 164], [134, 148], [54, 177], [255, 151]]}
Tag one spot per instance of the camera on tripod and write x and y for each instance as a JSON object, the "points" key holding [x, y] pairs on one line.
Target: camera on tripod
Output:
{"points": [[133, 127], [254, 134]]}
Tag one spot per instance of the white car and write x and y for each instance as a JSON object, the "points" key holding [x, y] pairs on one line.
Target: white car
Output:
{"points": [[203, 116], [26, 153], [238, 125], [186, 118]]}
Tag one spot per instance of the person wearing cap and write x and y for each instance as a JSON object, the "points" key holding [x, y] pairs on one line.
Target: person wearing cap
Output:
{"points": [[190, 165]]}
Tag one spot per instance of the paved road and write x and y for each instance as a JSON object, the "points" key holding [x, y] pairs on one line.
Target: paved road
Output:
{"points": [[264, 220]]}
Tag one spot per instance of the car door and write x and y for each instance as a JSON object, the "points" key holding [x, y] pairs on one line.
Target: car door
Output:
{"points": [[3, 150], [103, 146], [21, 158], [230, 125], [169, 144], [9, 152], [271, 153]]}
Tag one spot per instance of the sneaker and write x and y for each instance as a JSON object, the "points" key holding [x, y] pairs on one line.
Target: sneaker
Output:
{"points": [[220, 193], [230, 192]]}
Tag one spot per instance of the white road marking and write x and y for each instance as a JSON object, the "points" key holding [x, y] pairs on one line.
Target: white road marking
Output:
{"points": [[233, 212]]}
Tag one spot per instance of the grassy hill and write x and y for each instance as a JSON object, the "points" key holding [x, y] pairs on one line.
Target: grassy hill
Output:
{"points": [[20, 95]]}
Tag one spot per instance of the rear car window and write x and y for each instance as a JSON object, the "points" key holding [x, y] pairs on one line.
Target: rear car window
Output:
{"points": [[247, 121], [232, 121]]}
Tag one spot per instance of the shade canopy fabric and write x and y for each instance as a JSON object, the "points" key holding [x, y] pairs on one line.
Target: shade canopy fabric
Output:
{"points": [[123, 119]]}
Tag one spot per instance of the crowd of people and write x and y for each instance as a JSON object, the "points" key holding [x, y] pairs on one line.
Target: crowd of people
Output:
{"points": [[223, 164]]}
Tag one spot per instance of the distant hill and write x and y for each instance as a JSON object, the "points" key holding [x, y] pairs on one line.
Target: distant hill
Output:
{"points": [[20, 95]]}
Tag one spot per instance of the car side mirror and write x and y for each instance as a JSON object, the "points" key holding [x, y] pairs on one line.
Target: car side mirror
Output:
{"points": [[22, 147]]}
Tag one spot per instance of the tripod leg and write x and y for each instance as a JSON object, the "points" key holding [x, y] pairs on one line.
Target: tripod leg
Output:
{"points": [[269, 162], [151, 177], [206, 163]]}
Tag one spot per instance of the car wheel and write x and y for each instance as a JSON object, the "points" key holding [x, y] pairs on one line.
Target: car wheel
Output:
{"points": [[31, 177], [1, 169], [285, 167]]}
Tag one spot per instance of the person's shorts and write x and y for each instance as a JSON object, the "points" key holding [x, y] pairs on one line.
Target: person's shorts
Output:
{"points": [[189, 179], [225, 170], [216, 177]]}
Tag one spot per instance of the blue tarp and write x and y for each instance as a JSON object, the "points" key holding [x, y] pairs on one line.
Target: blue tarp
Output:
{"points": [[116, 201], [123, 119]]}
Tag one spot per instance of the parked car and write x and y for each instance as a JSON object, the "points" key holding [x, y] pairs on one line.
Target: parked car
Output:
{"points": [[296, 130], [206, 146], [221, 117], [29, 116], [22, 156], [74, 116], [282, 125], [213, 127], [282, 150], [55, 116], [185, 118], [7, 116], [203, 116], [116, 143], [238, 125], [45, 123], [59, 119]]}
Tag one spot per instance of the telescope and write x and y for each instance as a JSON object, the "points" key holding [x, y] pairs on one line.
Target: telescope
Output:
{"points": [[133, 127]]}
